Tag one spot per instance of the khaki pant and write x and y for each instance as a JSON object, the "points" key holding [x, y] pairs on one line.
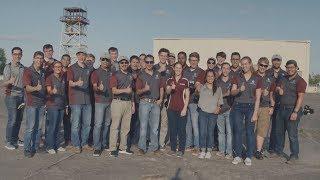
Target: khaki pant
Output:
{"points": [[263, 123], [163, 127], [121, 118]]}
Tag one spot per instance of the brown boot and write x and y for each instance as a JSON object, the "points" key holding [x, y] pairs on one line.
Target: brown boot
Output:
{"points": [[73, 149], [87, 148]]}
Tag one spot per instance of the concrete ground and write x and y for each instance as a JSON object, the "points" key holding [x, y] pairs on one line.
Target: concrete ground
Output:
{"points": [[13, 164]]}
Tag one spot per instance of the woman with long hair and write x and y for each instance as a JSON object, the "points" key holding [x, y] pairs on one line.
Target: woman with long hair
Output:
{"points": [[247, 91], [178, 88], [210, 100]]}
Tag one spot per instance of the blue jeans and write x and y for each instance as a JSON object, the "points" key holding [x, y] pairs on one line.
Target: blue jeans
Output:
{"points": [[102, 120], [149, 114], [207, 122], [224, 133], [32, 134], [272, 140], [54, 118], [15, 116], [177, 127], [243, 111], [80, 124], [283, 124], [192, 127]]}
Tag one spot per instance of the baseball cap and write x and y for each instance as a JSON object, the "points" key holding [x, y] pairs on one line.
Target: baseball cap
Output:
{"points": [[121, 58], [105, 56], [79, 52], [276, 56], [172, 55]]}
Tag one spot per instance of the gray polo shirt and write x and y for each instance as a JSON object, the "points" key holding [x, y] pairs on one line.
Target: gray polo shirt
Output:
{"points": [[266, 86], [291, 88], [192, 74], [164, 74], [227, 100], [15, 89], [122, 80], [57, 100], [100, 75], [79, 95], [209, 102], [154, 81], [248, 95]]}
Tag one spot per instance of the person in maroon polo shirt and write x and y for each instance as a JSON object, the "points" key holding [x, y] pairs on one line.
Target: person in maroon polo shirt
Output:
{"points": [[56, 101], [65, 61], [178, 88], [291, 89], [48, 59], [102, 93], [33, 81]]}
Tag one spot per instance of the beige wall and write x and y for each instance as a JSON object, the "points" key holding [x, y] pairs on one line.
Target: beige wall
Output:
{"points": [[297, 50]]}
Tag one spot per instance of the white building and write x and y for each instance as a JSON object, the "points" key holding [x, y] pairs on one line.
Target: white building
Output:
{"points": [[254, 48]]}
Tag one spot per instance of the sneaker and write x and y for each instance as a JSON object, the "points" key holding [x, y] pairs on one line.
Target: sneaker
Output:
{"points": [[114, 153], [229, 156], [188, 149], [87, 148], [61, 149], [247, 162], [28, 154], [202, 155], [259, 155], [141, 152], [73, 149], [236, 160], [9, 146], [171, 153], [20, 143], [51, 151], [179, 154], [97, 153], [195, 152], [220, 154], [157, 152], [208, 155], [292, 160], [128, 152]]}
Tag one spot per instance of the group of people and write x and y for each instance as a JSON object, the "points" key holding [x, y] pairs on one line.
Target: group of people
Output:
{"points": [[133, 101]]}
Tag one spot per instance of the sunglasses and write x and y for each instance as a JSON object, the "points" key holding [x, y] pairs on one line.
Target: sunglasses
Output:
{"points": [[263, 65], [210, 62], [149, 62], [105, 60], [124, 62]]}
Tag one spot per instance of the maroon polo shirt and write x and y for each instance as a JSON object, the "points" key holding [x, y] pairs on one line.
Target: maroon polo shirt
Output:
{"points": [[48, 67], [291, 88], [234, 73], [79, 95], [31, 77], [154, 81], [121, 80], [56, 100], [248, 95], [176, 97], [101, 75]]}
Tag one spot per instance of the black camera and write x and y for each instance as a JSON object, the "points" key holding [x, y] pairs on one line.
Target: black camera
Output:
{"points": [[307, 110]]}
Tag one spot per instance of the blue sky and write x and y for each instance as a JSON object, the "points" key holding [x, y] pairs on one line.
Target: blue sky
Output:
{"points": [[131, 25]]}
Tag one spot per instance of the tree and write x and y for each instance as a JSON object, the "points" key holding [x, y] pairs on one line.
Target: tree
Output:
{"points": [[3, 60], [314, 79]]}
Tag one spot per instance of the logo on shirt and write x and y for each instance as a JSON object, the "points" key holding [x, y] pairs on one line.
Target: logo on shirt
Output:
{"points": [[252, 82], [268, 80], [157, 76]]}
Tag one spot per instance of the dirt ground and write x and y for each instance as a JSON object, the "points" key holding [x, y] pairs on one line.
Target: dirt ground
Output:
{"points": [[13, 165]]}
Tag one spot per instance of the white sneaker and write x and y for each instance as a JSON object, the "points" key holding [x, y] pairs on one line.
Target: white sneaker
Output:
{"points": [[236, 160], [202, 155], [9, 146], [51, 151], [247, 162], [208, 155], [229, 156], [220, 154], [61, 149]]}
